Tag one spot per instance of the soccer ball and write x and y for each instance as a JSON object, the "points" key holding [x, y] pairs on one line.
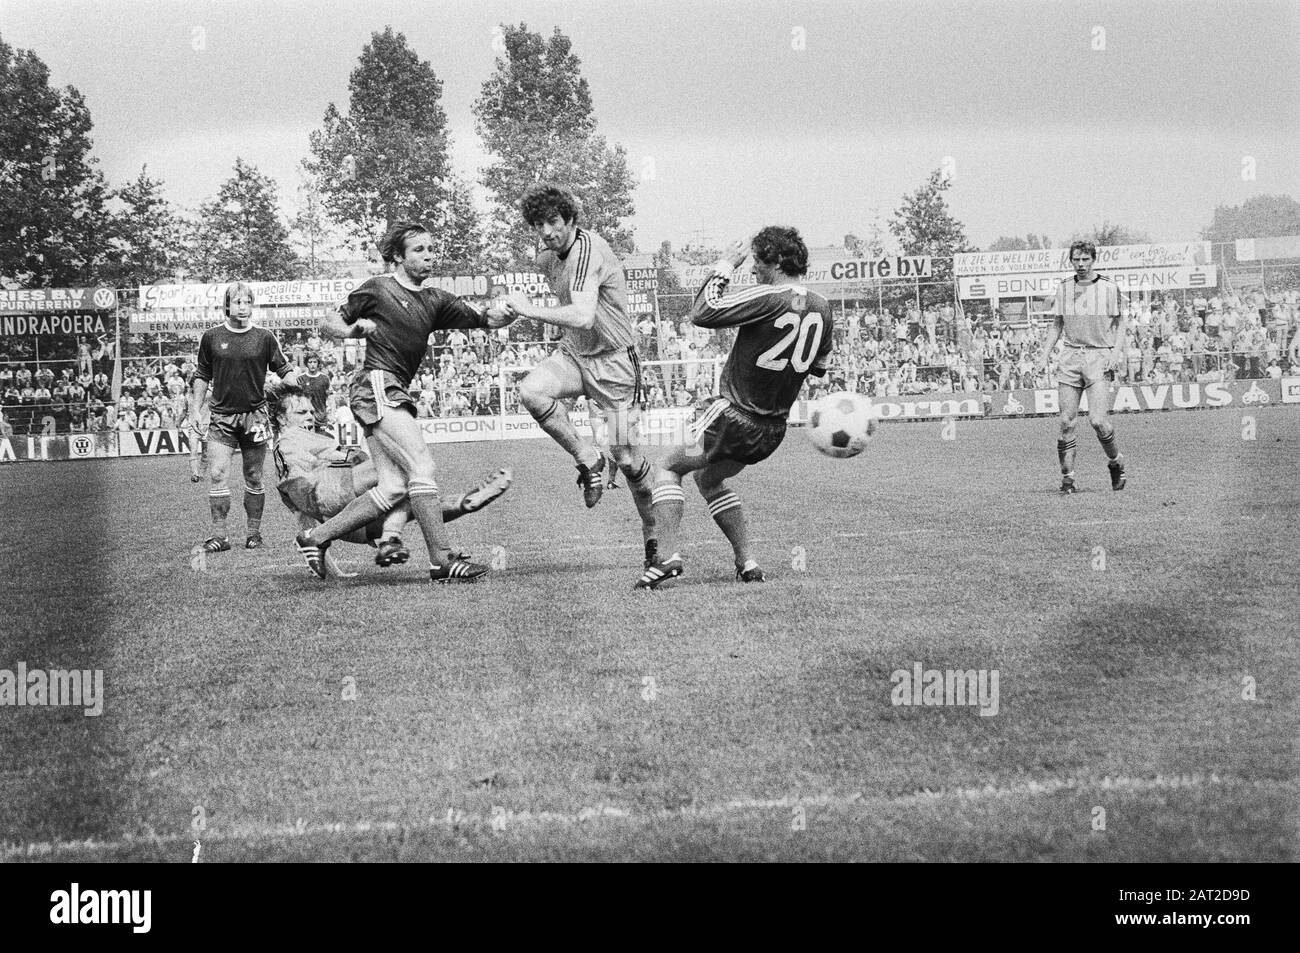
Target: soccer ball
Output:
{"points": [[841, 425]]}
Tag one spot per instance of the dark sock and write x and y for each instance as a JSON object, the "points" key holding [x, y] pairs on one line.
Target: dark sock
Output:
{"points": [[219, 504], [727, 512], [254, 504], [1065, 453], [1108, 444]]}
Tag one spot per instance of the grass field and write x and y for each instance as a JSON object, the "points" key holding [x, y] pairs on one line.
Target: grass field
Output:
{"points": [[516, 719]]}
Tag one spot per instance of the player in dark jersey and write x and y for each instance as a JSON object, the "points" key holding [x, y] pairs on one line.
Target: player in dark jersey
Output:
{"points": [[315, 383], [232, 364], [396, 316], [783, 335]]}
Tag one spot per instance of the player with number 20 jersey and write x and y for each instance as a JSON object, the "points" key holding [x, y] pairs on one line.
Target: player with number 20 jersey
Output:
{"points": [[784, 334]]}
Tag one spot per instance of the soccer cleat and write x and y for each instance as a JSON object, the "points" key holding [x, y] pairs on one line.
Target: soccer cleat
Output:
{"points": [[651, 552], [216, 544], [391, 552], [659, 572], [750, 575], [254, 541], [487, 491], [592, 483], [1068, 487], [313, 553], [458, 570], [1118, 479]]}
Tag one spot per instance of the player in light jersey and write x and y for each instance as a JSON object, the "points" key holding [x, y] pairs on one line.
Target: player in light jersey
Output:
{"points": [[234, 358], [318, 478], [1088, 319], [784, 333], [597, 356]]}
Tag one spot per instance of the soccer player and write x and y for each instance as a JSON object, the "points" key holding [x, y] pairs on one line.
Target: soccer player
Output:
{"points": [[315, 383], [317, 479], [1089, 319], [396, 316], [233, 360], [596, 357], [784, 333]]}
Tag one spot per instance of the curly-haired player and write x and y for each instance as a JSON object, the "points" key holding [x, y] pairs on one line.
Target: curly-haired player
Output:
{"points": [[597, 356], [784, 334]]}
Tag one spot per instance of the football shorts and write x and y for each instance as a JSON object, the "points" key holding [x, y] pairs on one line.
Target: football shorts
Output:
{"points": [[1082, 367], [725, 433], [374, 392], [240, 431]]}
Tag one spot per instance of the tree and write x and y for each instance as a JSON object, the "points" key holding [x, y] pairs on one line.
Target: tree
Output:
{"points": [[145, 235], [536, 118], [51, 195], [1107, 234], [1262, 216], [239, 235], [386, 160], [1030, 242], [924, 226], [316, 240], [460, 239]]}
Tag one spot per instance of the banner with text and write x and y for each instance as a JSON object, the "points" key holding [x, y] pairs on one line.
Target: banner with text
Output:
{"points": [[48, 300], [1125, 398], [836, 278], [190, 321], [81, 446], [1168, 254], [1044, 285]]}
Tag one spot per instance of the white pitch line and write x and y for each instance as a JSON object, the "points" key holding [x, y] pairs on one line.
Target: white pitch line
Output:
{"points": [[502, 820]]}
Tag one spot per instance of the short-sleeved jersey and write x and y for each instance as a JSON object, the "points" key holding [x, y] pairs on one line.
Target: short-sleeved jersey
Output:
{"points": [[1089, 312], [590, 264], [404, 320], [317, 389], [236, 362], [784, 334]]}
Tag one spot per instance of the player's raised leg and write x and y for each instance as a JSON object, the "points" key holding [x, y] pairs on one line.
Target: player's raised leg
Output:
{"points": [[219, 495], [725, 508], [541, 393], [1065, 443], [1099, 417]]}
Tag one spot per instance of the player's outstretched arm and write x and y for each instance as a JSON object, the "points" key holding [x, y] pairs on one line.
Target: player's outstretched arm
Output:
{"points": [[581, 314]]}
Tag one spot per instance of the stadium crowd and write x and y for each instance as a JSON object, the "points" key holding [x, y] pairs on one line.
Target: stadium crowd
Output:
{"points": [[1203, 336]]}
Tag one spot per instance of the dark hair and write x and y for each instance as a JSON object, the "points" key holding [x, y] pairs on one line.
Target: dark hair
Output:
{"points": [[392, 247], [233, 289], [1088, 248], [783, 247], [278, 397], [543, 202]]}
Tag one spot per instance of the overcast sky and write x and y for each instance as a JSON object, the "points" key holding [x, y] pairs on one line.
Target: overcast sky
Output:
{"points": [[1045, 132]]}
